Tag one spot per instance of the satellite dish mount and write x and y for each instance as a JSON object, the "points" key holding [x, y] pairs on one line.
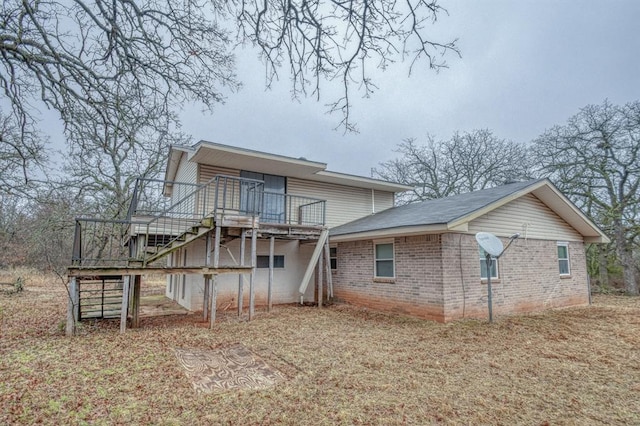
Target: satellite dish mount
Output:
{"points": [[493, 249]]}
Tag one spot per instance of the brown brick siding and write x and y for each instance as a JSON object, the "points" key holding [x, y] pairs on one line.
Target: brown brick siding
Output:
{"points": [[529, 279], [438, 277], [416, 288]]}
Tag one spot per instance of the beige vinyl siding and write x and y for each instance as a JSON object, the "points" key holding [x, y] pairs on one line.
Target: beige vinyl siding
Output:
{"points": [[186, 173], [528, 216], [207, 172], [383, 200], [344, 203], [187, 170]]}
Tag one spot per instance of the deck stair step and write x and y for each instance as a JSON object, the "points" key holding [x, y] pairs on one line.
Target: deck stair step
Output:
{"points": [[189, 235]]}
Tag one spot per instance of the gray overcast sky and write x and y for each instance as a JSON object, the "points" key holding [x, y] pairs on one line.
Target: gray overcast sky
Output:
{"points": [[525, 66]]}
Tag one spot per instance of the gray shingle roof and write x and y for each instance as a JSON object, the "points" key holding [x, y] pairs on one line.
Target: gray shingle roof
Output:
{"points": [[431, 212]]}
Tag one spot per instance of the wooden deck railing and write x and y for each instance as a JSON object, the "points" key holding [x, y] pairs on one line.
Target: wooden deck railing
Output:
{"points": [[158, 226]]}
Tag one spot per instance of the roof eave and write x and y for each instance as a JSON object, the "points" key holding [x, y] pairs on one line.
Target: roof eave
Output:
{"points": [[173, 160], [359, 181], [498, 203], [401, 231], [600, 239], [551, 196]]}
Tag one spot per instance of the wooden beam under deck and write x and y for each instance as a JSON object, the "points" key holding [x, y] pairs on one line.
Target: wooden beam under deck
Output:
{"points": [[91, 271]]}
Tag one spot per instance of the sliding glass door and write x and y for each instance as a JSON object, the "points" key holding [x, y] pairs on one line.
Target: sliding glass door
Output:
{"points": [[273, 201]]}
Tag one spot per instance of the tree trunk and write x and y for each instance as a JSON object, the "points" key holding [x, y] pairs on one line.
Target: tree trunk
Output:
{"points": [[603, 263], [623, 249]]}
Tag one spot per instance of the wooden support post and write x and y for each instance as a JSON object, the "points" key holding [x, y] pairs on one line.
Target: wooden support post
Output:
{"points": [[73, 306], [205, 301], [252, 292], [327, 258], [243, 240], [216, 248], [270, 289], [135, 307], [211, 280], [124, 309], [320, 279], [207, 286]]}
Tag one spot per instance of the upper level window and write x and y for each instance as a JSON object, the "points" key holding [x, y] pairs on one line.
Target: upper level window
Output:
{"points": [[563, 259], [483, 266], [384, 260], [263, 261], [333, 258]]}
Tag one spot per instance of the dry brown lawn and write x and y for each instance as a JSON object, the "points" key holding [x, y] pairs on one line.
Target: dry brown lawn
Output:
{"points": [[343, 365]]}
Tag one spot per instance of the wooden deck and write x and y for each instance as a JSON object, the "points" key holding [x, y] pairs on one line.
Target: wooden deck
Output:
{"points": [[91, 271]]}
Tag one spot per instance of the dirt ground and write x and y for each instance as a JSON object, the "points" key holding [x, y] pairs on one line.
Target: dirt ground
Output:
{"points": [[342, 364]]}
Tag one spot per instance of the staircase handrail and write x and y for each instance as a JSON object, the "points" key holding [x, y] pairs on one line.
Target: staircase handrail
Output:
{"points": [[135, 198]]}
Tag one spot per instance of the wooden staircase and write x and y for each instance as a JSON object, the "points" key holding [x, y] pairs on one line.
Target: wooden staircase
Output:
{"points": [[153, 253], [111, 255]]}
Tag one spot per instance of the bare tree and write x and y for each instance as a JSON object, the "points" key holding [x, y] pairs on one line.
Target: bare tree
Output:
{"points": [[595, 160], [341, 40], [37, 231], [467, 162], [76, 55], [22, 153], [107, 156]]}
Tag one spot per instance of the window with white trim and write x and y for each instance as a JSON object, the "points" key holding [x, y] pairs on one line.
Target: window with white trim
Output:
{"points": [[483, 265], [384, 260], [263, 261], [333, 258], [563, 258]]}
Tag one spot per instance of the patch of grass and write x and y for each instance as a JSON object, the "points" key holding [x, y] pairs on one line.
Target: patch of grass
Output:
{"points": [[344, 365]]}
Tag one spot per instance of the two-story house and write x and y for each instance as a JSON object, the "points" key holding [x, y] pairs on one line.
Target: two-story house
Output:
{"points": [[234, 228], [301, 198]]}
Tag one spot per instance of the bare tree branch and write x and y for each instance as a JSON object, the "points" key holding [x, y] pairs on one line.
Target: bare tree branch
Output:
{"points": [[467, 162]]}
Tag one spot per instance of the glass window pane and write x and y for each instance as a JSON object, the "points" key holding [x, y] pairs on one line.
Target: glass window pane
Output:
{"points": [[274, 183], [483, 268], [384, 251], [384, 268], [562, 252], [333, 257], [564, 267], [262, 261]]}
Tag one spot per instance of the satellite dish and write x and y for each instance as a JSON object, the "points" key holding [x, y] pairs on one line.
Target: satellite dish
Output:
{"points": [[490, 243]]}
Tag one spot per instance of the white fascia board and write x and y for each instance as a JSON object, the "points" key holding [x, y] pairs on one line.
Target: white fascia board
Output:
{"points": [[403, 231], [258, 161], [359, 181], [570, 213]]}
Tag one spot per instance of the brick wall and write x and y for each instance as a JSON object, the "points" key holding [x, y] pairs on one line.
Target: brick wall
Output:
{"points": [[438, 277], [529, 279], [416, 288]]}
